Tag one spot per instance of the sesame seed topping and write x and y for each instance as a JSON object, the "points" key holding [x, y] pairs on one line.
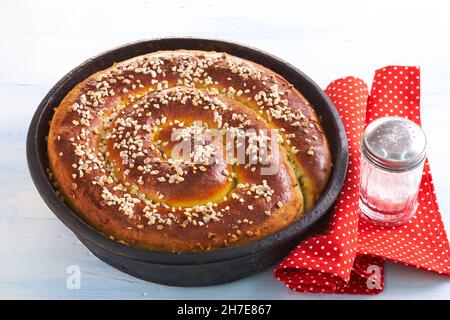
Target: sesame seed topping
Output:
{"points": [[120, 152]]}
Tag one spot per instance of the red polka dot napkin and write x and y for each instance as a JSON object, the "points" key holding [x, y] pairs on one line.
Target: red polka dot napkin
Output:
{"points": [[349, 256]]}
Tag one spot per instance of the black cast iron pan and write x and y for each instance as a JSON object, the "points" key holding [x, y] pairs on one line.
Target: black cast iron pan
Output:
{"points": [[188, 269]]}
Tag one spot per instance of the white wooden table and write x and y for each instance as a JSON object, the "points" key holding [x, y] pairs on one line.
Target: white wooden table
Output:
{"points": [[41, 40]]}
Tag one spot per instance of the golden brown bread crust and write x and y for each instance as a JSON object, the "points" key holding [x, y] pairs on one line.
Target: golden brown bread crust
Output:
{"points": [[110, 151]]}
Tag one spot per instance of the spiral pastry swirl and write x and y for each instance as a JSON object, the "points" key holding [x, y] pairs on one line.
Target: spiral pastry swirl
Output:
{"points": [[137, 151]]}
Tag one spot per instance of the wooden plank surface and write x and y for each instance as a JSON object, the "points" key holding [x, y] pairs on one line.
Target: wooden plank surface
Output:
{"points": [[42, 40]]}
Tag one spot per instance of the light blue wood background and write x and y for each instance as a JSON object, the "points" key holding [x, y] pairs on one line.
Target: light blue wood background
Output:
{"points": [[41, 40]]}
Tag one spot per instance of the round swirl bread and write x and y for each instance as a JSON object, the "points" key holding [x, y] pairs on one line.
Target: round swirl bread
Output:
{"points": [[113, 151]]}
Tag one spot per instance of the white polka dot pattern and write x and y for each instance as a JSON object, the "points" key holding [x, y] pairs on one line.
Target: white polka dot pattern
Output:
{"points": [[343, 259]]}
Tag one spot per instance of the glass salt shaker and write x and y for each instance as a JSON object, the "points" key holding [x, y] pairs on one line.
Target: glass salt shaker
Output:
{"points": [[392, 158]]}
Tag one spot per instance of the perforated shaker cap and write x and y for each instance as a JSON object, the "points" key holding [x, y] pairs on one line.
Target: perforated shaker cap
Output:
{"points": [[394, 143]]}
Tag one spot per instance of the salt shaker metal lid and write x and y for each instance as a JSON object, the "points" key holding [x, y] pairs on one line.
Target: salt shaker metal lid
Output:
{"points": [[394, 143]]}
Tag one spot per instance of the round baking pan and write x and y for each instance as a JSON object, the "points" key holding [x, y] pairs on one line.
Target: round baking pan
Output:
{"points": [[188, 269]]}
